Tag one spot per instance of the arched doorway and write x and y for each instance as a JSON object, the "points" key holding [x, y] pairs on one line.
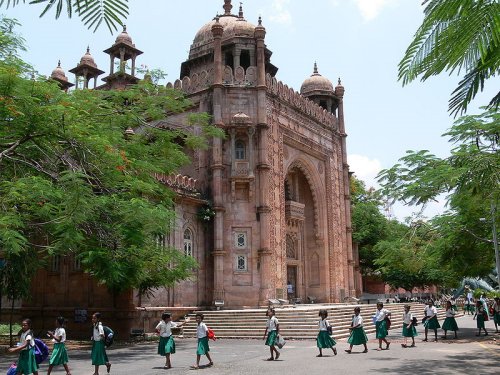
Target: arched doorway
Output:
{"points": [[303, 257]]}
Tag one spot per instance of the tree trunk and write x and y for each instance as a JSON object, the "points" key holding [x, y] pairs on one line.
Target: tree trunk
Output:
{"points": [[10, 322]]}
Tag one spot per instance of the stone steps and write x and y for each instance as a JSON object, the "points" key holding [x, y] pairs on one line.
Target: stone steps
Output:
{"points": [[295, 322]]}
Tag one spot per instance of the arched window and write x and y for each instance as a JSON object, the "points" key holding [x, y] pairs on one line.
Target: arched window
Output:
{"points": [[188, 243], [239, 150]]}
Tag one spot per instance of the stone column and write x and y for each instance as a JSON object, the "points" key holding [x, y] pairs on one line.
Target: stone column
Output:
{"points": [[251, 162], [122, 60], [132, 72], [263, 170], [111, 64], [217, 167], [232, 136]]}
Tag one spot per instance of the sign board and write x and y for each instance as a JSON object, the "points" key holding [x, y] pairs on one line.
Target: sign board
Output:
{"points": [[80, 315]]}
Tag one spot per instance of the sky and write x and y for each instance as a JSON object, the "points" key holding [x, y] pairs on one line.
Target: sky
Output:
{"points": [[360, 41]]}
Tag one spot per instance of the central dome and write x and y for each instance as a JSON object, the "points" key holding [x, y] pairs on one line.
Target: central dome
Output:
{"points": [[316, 83]]}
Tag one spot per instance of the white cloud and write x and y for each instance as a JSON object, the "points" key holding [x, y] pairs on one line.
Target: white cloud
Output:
{"points": [[365, 169], [280, 12], [370, 9]]}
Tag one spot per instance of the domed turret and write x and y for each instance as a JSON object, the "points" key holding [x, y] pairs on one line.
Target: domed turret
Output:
{"points": [[316, 84], [87, 59], [123, 37], [59, 76], [87, 68]]}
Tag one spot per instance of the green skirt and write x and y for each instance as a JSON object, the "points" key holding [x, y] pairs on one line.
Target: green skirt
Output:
{"points": [[203, 347], [357, 337], [59, 354], [412, 332], [432, 323], [480, 321], [99, 356], [272, 336], [496, 318], [166, 345], [324, 341], [450, 324], [381, 328], [27, 364]]}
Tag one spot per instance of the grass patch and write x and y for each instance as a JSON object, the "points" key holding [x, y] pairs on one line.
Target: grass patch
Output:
{"points": [[4, 329]]}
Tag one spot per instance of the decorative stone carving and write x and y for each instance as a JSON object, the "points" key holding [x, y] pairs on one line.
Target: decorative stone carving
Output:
{"points": [[239, 75], [251, 76], [227, 76]]}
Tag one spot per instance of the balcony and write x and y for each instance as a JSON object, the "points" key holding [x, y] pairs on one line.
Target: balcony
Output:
{"points": [[294, 210]]}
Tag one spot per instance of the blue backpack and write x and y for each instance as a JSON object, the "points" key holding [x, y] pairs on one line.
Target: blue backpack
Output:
{"points": [[41, 351], [12, 369]]}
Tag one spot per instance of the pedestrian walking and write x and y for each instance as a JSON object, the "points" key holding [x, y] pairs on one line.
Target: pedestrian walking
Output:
{"points": [[166, 346], [450, 324], [480, 316], [496, 313], [358, 335], [98, 354], [272, 331], [381, 325], [431, 320], [324, 339], [59, 354], [26, 348], [409, 329], [203, 348]]}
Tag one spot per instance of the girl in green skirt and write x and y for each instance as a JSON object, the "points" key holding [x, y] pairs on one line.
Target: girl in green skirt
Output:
{"points": [[26, 348], [431, 320], [381, 326], [166, 346], [408, 328], [59, 355], [481, 316], [203, 348], [450, 324], [272, 331], [99, 356], [324, 340], [358, 335], [496, 313]]}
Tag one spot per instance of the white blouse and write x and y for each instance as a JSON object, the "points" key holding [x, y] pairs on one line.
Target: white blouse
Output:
{"points": [[27, 336], [165, 328], [430, 311], [407, 318], [450, 313], [201, 330], [60, 332], [381, 314], [98, 331], [323, 324], [357, 320], [272, 323]]}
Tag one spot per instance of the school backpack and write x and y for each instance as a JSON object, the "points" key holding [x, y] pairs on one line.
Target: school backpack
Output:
{"points": [[41, 351], [12, 369], [387, 323], [211, 334], [109, 336], [414, 321]]}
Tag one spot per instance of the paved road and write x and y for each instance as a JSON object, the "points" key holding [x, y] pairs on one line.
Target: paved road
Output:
{"points": [[467, 355]]}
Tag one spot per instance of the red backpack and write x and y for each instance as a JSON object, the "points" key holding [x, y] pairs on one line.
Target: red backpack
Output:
{"points": [[211, 334]]}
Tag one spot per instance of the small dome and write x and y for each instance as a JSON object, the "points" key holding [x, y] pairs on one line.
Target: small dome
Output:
{"points": [[233, 26], [316, 83], [58, 73], [88, 59], [124, 37]]}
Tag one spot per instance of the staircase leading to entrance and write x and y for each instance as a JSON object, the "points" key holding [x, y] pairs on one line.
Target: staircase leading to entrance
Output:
{"points": [[300, 322]]}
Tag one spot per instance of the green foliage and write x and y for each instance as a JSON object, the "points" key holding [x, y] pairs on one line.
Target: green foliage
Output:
{"points": [[91, 12], [5, 329], [456, 35], [73, 184]]}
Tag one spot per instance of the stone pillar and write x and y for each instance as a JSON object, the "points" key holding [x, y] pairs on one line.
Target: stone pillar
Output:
{"points": [[236, 57], [263, 170], [111, 64], [132, 72], [232, 136], [217, 167], [122, 60], [251, 162]]}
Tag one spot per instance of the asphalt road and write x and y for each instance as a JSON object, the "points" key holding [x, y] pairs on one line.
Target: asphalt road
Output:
{"points": [[467, 355]]}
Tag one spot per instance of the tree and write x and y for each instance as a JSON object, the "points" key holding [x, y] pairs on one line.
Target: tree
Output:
{"points": [[470, 177], [456, 35], [91, 12], [73, 185]]}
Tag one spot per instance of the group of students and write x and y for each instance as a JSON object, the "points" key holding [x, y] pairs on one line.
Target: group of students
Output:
{"points": [[166, 346]]}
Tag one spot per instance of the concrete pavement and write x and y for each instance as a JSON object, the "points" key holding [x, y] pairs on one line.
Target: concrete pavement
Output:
{"points": [[467, 355]]}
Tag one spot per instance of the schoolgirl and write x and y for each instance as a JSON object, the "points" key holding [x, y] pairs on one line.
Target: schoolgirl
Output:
{"points": [[480, 318], [26, 348], [203, 348], [358, 335], [450, 324], [272, 331], [431, 320], [324, 340], [98, 354], [59, 355], [381, 326], [496, 313], [409, 329], [166, 346]]}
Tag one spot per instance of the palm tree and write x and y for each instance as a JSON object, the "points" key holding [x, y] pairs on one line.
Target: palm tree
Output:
{"points": [[91, 12], [456, 35]]}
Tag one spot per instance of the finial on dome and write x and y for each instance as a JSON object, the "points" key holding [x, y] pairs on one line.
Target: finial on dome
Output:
{"points": [[339, 82], [240, 13], [227, 7], [59, 64], [88, 49], [260, 21], [124, 28], [315, 68]]}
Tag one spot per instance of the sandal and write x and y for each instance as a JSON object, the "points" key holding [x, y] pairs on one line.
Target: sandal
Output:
{"points": [[334, 351], [403, 346], [194, 367], [108, 367], [270, 359], [210, 364], [365, 351], [387, 346], [347, 351], [277, 355]]}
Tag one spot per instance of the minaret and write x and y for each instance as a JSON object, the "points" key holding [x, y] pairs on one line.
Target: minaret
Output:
{"points": [[87, 68], [59, 76]]}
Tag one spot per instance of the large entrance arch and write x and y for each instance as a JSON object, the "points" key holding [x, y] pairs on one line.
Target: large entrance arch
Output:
{"points": [[306, 261]]}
